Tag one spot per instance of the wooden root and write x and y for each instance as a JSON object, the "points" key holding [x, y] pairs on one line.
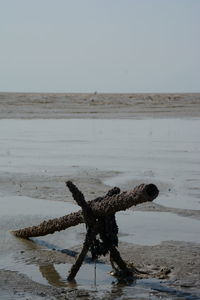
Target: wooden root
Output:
{"points": [[101, 207]]}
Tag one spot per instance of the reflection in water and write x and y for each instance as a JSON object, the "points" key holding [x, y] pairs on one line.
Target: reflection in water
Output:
{"points": [[86, 278], [52, 276], [105, 287], [120, 288], [115, 286]]}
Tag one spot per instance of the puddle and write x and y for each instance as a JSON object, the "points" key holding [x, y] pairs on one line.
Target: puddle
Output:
{"points": [[151, 228], [20, 212], [97, 282], [56, 274], [180, 200], [22, 205]]}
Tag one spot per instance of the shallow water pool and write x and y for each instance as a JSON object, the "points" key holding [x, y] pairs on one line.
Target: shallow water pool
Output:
{"points": [[164, 151]]}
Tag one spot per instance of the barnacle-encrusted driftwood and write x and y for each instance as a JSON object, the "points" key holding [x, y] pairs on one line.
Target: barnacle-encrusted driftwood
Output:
{"points": [[97, 225], [108, 205], [99, 217]]}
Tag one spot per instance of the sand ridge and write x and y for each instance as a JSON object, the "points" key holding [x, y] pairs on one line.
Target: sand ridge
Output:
{"points": [[36, 105]]}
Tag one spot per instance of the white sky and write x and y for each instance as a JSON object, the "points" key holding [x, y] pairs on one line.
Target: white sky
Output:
{"points": [[100, 45]]}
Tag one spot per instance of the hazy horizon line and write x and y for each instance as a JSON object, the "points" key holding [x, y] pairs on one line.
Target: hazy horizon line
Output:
{"points": [[95, 92]]}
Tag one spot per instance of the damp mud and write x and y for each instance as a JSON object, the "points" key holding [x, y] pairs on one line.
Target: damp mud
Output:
{"points": [[120, 149]]}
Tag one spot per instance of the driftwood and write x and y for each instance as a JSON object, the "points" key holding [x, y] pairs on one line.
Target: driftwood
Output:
{"points": [[111, 203], [99, 217], [102, 226]]}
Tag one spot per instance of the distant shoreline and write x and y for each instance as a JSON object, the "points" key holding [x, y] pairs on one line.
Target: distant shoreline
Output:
{"points": [[95, 105]]}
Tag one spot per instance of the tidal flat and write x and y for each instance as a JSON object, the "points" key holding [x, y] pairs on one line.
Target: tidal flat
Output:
{"points": [[100, 141]]}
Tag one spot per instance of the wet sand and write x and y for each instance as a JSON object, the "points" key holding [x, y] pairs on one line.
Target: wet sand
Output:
{"points": [[93, 145]]}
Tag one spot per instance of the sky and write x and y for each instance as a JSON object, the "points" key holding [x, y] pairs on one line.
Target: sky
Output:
{"points": [[109, 46]]}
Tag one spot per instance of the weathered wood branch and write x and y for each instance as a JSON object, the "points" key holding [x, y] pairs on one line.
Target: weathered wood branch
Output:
{"points": [[101, 207], [95, 226], [75, 268], [80, 200], [89, 220]]}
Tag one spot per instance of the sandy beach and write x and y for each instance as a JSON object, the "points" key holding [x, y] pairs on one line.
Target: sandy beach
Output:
{"points": [[99, 141]]}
